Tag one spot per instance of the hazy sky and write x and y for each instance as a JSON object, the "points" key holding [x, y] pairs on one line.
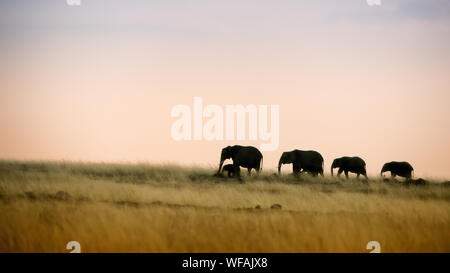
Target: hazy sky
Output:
{"points": [[97, 82]]}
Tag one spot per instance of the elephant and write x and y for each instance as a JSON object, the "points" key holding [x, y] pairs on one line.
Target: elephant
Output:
{"points": [[348, 164], [403, 169], [229, 168], [243, 156], [305, 161]]}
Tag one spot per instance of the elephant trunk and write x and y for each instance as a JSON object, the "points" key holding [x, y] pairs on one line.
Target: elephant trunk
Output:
{"points": [[279, 167], [332, 171]]}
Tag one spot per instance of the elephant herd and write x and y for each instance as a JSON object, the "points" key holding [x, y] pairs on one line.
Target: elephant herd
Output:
{"points": [[303, 161]]}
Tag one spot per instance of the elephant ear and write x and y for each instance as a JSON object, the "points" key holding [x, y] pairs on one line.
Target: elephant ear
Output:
{"points": [[335, 163], [288, 157], [231, 151], [227, 152]]}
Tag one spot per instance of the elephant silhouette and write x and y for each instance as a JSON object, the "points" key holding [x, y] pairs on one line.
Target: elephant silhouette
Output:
{"points": [[302, 161], [247, 157], [403, 169], [348, 164], [229, 168]]}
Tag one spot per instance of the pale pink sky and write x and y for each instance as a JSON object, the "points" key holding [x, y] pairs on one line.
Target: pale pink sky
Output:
{"points": [[98, 82]]}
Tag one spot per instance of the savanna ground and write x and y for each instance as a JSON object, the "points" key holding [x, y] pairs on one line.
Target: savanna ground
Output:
{"points": [[144, 208]]}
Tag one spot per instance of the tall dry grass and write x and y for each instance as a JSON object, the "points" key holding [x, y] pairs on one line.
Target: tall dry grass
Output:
{"points": [[142, 208]]}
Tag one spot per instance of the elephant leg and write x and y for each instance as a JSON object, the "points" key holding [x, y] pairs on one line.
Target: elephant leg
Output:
{"points": [[340, 172], [346, 174], [296, 169], [249, 171], [230, 173], [237, 171], [357, 176], [321, 173]]}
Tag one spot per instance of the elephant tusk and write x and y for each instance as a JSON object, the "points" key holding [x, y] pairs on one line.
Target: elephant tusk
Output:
{"points": [[220, 166]]}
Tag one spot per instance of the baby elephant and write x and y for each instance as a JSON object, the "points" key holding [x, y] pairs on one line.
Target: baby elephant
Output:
{"points": [[229, 168], [403, 169]]}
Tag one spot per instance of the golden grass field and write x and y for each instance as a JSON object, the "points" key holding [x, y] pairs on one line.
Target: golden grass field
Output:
{"points": [[145, 208]]}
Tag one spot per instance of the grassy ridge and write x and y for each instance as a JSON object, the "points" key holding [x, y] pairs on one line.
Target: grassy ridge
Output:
{"points": [[115, 207]]}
